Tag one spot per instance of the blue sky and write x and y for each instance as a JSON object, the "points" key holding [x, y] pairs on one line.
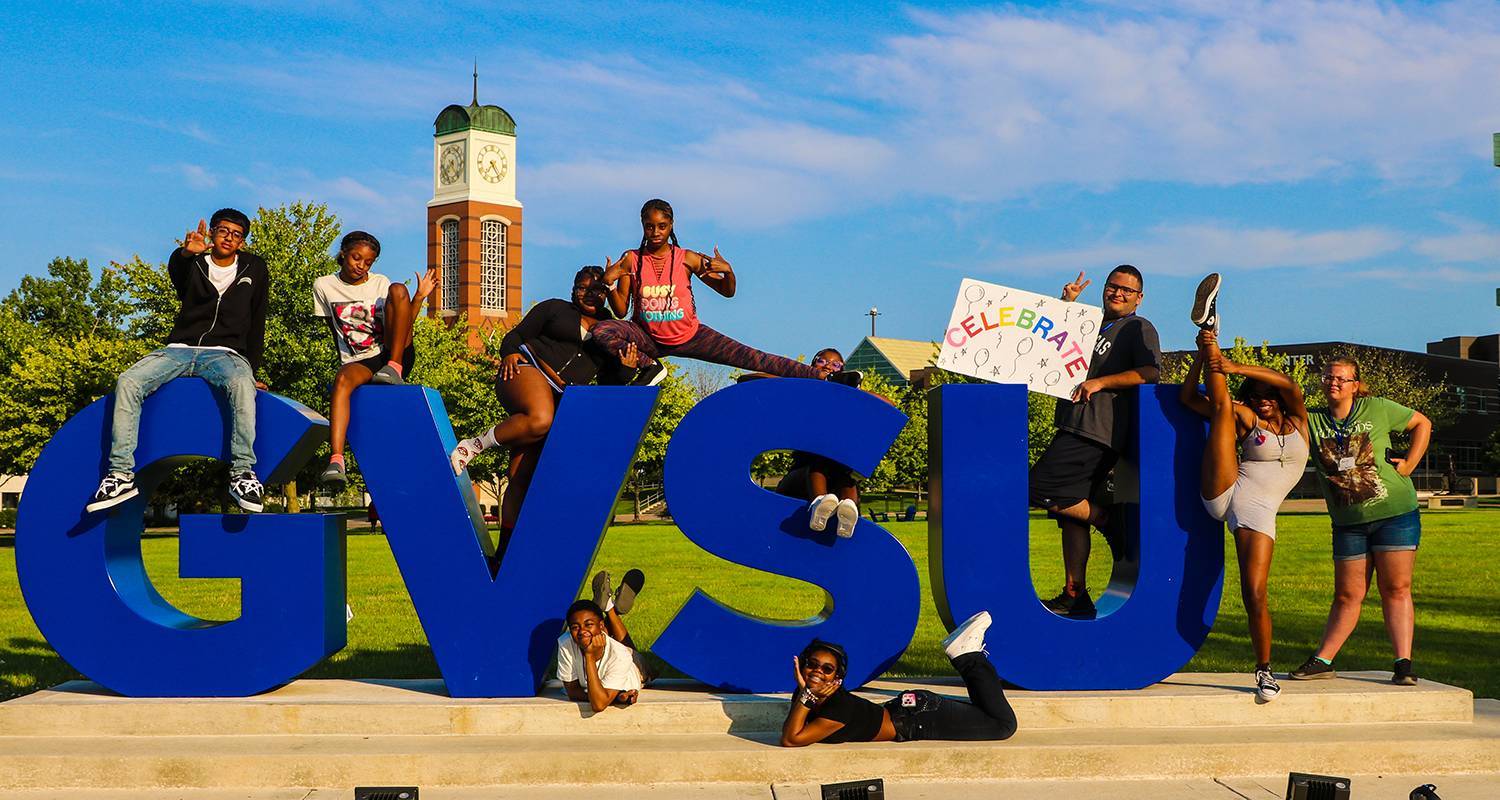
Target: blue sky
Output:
{"points": [[1333, 160]]}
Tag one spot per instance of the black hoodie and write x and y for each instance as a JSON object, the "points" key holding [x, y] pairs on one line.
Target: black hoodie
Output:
{"points": [[236, 320]]}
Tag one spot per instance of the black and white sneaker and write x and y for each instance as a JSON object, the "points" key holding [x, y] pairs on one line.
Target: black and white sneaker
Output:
{"points": [[387, 376], [1072, 606], [1402, 674], [649, 375], [849, 377], [116, 488], [1206, 304], [246, 491], [1266, 687]]}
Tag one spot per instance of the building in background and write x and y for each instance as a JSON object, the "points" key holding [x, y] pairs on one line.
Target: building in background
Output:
{"points": [[903, 362], [474, 218]]}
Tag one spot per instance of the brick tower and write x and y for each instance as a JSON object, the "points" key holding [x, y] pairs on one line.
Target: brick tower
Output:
{"points": [[474, 218]]}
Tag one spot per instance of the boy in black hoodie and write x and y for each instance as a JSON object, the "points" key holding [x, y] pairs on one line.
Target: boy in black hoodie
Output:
{"points": [[218, 335]]}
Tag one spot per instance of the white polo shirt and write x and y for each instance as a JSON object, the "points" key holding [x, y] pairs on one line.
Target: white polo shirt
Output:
{"points": [[617, 670]]}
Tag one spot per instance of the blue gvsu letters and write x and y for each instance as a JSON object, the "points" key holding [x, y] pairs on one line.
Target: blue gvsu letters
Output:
{"points": [[88, 591]]}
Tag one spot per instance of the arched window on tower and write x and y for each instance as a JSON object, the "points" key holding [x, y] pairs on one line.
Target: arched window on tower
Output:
{"points": [[450, 265], [492, 265]]}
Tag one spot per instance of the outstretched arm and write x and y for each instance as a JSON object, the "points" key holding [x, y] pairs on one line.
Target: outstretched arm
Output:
{"points": [[713, 270], [1291, 393]]}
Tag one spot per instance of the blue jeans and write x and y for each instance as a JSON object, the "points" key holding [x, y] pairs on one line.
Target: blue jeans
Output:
{"points": [[1401, 532], [226, 371]]}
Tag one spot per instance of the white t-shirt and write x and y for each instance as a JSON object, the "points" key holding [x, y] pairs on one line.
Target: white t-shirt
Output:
{"points": [[358, 313], [617, 670], [222, 277]]}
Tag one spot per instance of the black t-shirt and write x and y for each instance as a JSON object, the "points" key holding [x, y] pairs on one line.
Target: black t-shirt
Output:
{"points": [[552, 330], [861, 717], [1108, 416]]}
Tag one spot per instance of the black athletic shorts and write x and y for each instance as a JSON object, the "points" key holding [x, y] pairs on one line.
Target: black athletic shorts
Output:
{"points": [[1070, 470], [380, 359]]}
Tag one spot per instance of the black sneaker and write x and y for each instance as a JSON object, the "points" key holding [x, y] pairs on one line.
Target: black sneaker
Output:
{"points": [[387, 376], [1312, 669], [649, 375], [1072, 606], [333, 473], [246, 491], [1206, 304], [116, 488], [630, 586], [849, 377], [1402, 674]]}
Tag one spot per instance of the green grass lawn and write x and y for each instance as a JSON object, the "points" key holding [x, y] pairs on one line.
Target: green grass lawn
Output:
{"points": [[1457, 582]]}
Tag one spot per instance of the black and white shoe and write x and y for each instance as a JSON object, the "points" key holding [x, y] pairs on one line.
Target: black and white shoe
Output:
{"points": [[849, 377], [246, 491], [1073, 606], [820, 510], [649, 375], [1402, 674], [387, 376], [1206, 304], [1266, 687], [116, 488], [1312, 670]]}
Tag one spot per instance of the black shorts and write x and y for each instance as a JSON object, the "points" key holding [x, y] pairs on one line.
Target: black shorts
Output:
{"points": [[1070, 470], [380, 359]]}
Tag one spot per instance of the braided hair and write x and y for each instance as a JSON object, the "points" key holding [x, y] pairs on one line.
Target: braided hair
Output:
{"points": [[353, 238], [658, 204]]}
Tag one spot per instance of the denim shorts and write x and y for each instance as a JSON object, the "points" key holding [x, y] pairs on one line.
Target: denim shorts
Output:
{"points": [[1402, 532]]}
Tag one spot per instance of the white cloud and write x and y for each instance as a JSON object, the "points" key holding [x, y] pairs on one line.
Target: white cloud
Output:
{"points": [[372, 200]]}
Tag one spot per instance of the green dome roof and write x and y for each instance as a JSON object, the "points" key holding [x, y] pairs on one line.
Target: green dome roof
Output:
{"points": [[457, 118]]}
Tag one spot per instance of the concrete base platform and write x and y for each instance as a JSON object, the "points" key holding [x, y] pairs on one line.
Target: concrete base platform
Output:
{"points": [[329, 736]]}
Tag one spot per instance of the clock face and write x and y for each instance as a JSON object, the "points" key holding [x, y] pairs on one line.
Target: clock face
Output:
{"points": [[451, 164], [492, 163]]}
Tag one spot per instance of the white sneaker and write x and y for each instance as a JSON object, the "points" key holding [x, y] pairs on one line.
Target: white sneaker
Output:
{"points": [[1266, 687], [821, 509], [968, 637], [464, 453], [848, 516]]}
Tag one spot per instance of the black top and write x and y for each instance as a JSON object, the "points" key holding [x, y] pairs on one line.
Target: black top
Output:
{"points": [[861, 717], [1124, 343], [236, 320], [551, 330]]}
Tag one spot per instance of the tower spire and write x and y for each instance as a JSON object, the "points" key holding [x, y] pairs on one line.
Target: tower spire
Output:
{"points": [[476, 82]]}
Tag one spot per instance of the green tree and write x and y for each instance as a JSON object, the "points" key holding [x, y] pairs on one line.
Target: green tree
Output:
{"points": [[675, 399]]}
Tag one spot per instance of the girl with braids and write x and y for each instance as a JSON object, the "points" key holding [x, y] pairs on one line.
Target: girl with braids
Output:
{"points": [[656, 280], [552, 347], [372, 321], [1256, 453], [823, 711]]}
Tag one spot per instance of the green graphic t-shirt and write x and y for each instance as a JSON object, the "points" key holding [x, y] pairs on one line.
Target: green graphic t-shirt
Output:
{"points": [[1358, 482]]}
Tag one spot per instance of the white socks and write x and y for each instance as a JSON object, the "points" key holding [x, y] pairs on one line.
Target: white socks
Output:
{"points": [[487, 439]]}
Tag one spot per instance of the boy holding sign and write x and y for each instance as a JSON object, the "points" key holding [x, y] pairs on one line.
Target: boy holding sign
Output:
{"points": [[1093, 429]]}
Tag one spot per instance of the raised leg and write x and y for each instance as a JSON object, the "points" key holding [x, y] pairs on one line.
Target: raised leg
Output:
{"points": [[614, 334], [987, 717], [716, 348], [531, 403], [400, 318], [1221, 463]]}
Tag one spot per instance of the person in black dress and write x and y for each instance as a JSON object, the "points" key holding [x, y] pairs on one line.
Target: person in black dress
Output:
{"points": [[823, 711]]}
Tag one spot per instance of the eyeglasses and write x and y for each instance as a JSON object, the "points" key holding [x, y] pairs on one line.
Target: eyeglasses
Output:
{"points": [[228, 233], [1334, 380], [825, 667], [1118, 289], [828, 362]]}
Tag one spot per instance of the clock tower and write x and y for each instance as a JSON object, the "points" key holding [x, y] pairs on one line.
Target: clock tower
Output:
{"points": [[474, 218]]}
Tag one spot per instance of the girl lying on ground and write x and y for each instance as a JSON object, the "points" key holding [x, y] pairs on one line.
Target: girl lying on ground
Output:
{"points": [[596, 660], [823, 711]]}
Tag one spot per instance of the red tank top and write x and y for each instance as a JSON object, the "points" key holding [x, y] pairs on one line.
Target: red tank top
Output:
{"points": [[664, 297]]}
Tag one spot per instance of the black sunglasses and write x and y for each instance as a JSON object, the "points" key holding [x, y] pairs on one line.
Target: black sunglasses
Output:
{"points": [[825, 667]]}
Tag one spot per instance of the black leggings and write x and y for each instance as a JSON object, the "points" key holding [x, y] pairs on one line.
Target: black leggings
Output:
{"points": [[986, 717]]}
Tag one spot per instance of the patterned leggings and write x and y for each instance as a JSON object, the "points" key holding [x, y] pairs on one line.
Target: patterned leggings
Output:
{"points": [[706, 345]]}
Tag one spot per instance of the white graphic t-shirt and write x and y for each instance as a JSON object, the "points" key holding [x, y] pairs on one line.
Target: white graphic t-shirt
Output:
{"points": [[357, 311], [617, 670]]}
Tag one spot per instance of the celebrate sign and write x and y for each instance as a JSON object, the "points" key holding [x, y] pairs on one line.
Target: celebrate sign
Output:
{"points": [[1006, 335]]}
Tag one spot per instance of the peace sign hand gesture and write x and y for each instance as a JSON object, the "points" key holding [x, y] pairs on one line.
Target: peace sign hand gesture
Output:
{"points": [[715, 267], [196, 241], [1072, 290]]}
